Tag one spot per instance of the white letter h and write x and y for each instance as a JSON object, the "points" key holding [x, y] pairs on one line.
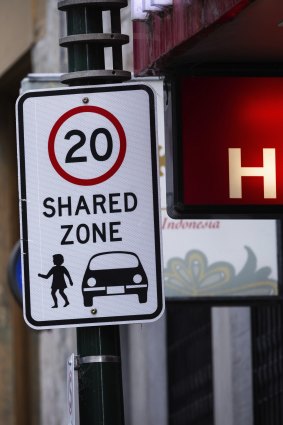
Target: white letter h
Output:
{"points": [[236, 172]]}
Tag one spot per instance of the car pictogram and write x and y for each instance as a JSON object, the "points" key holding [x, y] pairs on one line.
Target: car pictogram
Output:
{"points": [[114, 273]]}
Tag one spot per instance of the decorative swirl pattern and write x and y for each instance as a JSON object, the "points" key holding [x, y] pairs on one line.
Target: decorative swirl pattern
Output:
{"points": [[194, 277]]}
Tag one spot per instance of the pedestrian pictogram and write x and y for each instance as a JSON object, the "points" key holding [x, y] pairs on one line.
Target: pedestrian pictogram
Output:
{"points": [[58, 273], [89, 206]]}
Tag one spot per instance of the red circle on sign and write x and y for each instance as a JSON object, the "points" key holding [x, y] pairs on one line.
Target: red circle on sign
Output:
{"points": [[115, 166]]}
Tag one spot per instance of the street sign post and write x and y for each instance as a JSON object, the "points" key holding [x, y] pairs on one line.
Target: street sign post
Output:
{"points": [[89, 206]]}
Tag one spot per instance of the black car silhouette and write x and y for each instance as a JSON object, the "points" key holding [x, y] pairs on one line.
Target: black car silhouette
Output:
{"points": [[114, 273]]}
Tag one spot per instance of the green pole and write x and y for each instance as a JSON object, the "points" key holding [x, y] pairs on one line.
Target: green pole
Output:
{"points": [[100, 377], [100, 383]]}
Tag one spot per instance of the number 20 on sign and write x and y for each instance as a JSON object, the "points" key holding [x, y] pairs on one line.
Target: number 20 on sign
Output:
{"points": [[89, 206]]}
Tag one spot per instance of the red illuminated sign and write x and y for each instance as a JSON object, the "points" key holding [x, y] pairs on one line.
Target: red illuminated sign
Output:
{"points": [[230, 138]]}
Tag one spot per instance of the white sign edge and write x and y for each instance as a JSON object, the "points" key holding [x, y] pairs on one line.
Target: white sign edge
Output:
{"points": [[156, 91]]}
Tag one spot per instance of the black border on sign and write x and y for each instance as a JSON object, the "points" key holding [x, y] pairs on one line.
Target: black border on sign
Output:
{"points": [[176, 208], [155, 176]]}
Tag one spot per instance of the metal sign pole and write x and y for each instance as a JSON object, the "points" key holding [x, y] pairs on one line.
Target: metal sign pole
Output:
{"points": [[100, 378]]}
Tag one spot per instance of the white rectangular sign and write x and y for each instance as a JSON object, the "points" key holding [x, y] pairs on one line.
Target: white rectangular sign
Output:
{"points": [[72, 392], [220, 259], [89, 203]]}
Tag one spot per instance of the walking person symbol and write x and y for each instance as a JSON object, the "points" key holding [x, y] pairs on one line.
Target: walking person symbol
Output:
{"points": [[58, 282]]}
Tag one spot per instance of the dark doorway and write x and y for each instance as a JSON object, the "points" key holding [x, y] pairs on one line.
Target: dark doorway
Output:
{"points": [[189, 364], [267, 343]]}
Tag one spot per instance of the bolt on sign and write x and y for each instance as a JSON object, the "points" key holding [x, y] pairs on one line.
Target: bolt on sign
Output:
{"points": [[89, 205], [228, 155]]}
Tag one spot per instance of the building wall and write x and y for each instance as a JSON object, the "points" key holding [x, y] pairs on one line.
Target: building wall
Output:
{"points": [[165, 35], [15, 339], [8, 232], [21, 23], [232, 365]]}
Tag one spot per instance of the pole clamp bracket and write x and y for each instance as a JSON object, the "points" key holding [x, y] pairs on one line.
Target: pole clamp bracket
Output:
{"points": [[95, 359]]}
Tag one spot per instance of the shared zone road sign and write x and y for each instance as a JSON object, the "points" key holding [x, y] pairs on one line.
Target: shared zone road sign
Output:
{"points": [[89, 206]]}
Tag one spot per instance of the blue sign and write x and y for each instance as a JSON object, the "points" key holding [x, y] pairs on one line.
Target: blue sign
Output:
{"points": [[15, 273]]}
